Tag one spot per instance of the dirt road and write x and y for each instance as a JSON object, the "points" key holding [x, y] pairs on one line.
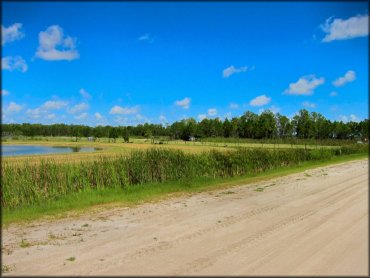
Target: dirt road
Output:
{"points": [[311, 223]]}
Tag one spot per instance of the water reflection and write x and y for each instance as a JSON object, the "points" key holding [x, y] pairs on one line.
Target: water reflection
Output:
{"points": [[15, 150]]}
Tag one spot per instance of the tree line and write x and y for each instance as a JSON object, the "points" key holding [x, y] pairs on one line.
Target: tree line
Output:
{"points": [[267, 125]]}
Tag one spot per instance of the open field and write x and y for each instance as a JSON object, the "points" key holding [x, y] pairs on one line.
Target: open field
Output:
{"points": [[310, 223], [110, 149], [106, 149]]}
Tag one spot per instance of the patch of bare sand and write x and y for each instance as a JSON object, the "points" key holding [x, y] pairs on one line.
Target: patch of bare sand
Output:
{"points": [[311, 223]]}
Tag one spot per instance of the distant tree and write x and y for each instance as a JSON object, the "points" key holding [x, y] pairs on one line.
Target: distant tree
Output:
{"points": [[266, 125], [125, 135], [113, 134]]}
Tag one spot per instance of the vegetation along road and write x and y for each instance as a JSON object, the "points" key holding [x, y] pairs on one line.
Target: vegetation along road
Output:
{"points": [[309, 223]]}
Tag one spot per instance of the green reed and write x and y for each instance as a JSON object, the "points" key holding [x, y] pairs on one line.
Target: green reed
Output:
{"points": [[32, 183]]}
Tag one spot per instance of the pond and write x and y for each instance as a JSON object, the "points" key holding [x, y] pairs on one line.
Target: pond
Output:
{"points": [[15, 150]]}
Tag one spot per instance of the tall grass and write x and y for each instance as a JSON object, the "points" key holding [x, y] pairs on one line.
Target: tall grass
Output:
{"points": [[29, 183]]}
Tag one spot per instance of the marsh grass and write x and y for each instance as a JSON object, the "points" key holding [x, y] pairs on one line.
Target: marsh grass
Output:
{"points": [[28, 184]]}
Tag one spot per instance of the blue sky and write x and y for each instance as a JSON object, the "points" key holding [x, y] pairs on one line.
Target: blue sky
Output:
{"points": [[125, 63]]}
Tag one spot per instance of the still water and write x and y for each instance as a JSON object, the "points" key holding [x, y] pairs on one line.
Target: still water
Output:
{"points": [[15, 150]]}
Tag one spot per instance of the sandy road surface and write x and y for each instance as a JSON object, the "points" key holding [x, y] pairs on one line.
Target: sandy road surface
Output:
{"points": [[311, 223]]}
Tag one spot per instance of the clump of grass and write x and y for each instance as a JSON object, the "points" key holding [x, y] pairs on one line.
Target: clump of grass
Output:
{"points": [[24, 243], [52, 236], [5, 268], [228, 192], [27, 183]]}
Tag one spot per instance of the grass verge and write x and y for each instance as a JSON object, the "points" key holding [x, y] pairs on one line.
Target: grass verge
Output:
{"points": [[78, 203]]}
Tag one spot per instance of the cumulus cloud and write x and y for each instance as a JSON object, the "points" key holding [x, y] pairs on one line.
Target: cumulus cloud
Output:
{"points": [[185, 103], [233, 106], [50, 116], [333, 94], [85, 94], [163, 119], [4, 92], [308, 104], [14, 63], [350, 118], [13, 107], [44, 109], [98, 116], [78, 108], [350, 76], [232, 70], [274, 109], [54, 104], [146, 38], [11, 33], [82, 116], [344, 29], [260, 100], [305, 85], [35, 113], [212, 112], [202, 116], [124, 110], [55, 46]]}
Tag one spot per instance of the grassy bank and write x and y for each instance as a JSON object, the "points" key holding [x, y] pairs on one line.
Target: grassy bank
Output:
{"points": [[78, 202], [28, 184]]}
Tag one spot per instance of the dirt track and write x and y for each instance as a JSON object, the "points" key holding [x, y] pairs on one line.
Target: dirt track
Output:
{"points": [[312, 223]]}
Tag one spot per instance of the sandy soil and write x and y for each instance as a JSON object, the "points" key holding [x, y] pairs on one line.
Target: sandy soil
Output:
{"points": [[311, 223]]}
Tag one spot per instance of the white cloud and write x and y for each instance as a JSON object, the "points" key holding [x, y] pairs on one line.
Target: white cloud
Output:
{"points": [[124, 110], [348, 77], [98, 116], [305, 85], [54, 104], [232, 70], [52, 38], [85, 94], [141, 119], [35, 113], [350, 118], [163, 119], [45, 108], [202, 116], [343, 29], [4, 92], [14, 63], [147, 38], [50, 116], [13, 108], [121, 120], [274, 109], [212, 112], [333, 94], [260, 100], [11, 33], [185, 103], [233, 106], [308, 104], [82, 116], [79, 108]]}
